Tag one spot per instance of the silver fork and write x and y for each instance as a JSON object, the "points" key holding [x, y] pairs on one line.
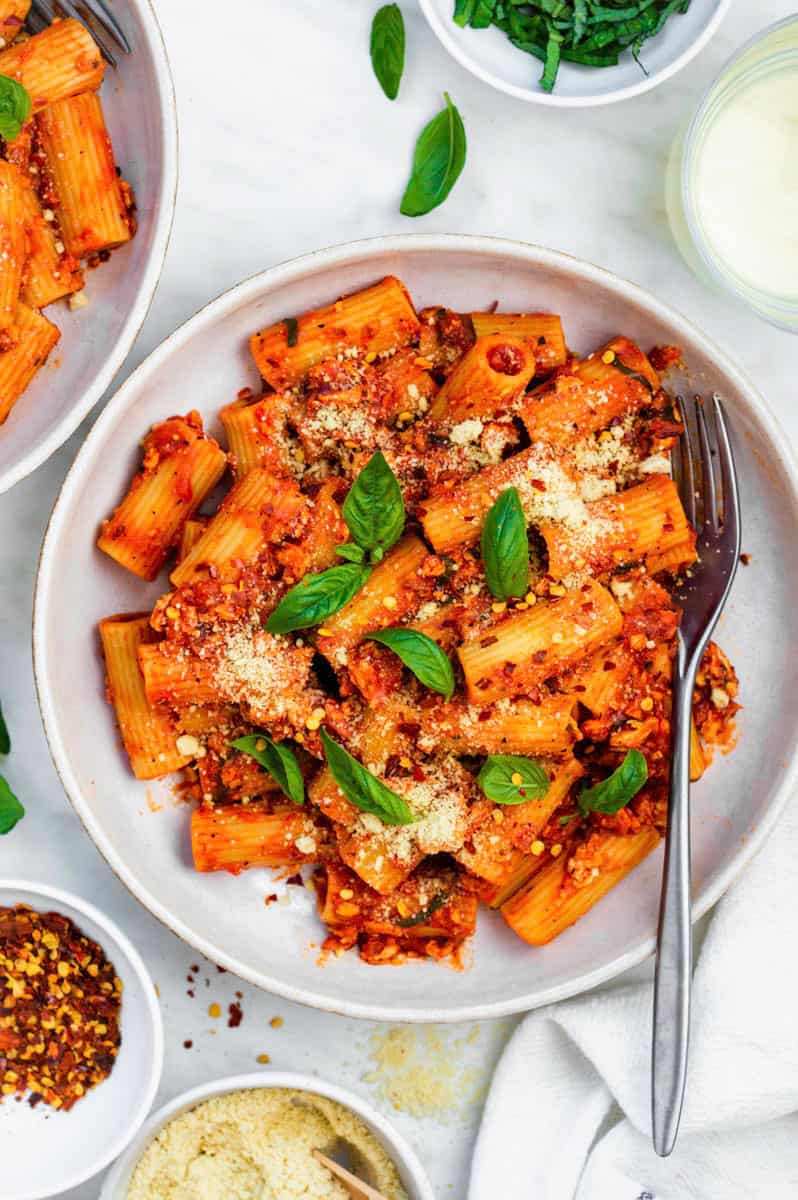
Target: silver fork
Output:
{"points": [[94, 14], [708, 487]]}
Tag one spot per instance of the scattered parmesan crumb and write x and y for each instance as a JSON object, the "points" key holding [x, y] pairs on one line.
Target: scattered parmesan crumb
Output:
{"points": [[465, 432], [78, 300]]}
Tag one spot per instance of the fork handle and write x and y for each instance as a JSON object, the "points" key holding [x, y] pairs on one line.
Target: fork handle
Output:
{"points": [[674, 935]]}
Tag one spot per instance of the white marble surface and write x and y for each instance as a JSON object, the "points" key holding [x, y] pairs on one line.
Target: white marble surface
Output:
{"points": [[287, 145]]}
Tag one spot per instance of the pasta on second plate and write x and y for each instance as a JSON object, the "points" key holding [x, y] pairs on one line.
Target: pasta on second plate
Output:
{"points": [[424, 642], [62, 200]]}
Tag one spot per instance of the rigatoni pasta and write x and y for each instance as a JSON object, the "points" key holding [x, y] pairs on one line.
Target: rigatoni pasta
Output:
{"points": [[63, 201], [425, 640]]}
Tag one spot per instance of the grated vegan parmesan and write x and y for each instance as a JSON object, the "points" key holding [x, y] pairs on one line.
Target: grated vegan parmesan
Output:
{"points": [[258, 1145]]}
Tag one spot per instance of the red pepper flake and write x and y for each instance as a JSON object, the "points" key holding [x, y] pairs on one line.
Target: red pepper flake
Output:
{"points": [[236, 1015], [60, 1001], [187, 1044], [295, 880]]}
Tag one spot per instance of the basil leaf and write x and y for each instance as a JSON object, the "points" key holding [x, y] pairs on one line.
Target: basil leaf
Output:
{"points": [[11, 811], [421, 655], [615, 792], [374, 510], [510, 779], [363, 789], [278, 760], [5, 737], [424, 914], [351, 552], [15, 106], [505, 547], [622, 367], [439, 158], [388, 48], [291, 331], [317, 597]]}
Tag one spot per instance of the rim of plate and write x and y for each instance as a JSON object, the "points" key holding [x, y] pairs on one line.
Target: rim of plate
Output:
{"points": [[389, 1136], [442, 31], [167, 198], [363, 250], [60, 897]]}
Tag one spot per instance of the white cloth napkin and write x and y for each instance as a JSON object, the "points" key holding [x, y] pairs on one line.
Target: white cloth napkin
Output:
{"points": [[567, 1117]]}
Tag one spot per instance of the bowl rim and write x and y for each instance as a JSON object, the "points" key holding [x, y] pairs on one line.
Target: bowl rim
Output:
{"points": [[167, 197], [442, 31], [399, 1149], [306, 265], [125, 949]]}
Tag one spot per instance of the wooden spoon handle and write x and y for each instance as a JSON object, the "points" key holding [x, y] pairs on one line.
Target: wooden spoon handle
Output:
{"points": [[358, 1190]]}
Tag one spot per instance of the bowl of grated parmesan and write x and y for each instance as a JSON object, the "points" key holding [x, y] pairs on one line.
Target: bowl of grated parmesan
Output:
{"points": [[253, 1137]]}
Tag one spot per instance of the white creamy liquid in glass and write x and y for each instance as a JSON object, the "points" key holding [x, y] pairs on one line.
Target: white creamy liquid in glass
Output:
{"points": [[746, 183]]}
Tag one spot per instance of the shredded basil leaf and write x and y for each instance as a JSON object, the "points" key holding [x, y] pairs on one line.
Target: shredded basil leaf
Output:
{"points": [[622, 367], [388, 48], [424, 914], [505, 547], [421, 655], [11, 811], [278, 760], [439, 158], [615, 792], [363, 789], [317, 597], [374, 511], [15, 107], [291, 331], [511, 779]]}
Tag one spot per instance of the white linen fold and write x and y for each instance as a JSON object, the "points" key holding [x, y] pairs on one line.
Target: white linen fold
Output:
{"points": [[567, 1117]]}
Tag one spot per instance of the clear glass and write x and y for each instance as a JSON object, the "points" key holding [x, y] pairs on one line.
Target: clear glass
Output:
{"points": [[772, 50]]}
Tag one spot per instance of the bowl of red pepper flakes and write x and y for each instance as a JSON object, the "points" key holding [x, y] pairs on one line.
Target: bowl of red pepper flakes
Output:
{"points": [[81, 1041]]}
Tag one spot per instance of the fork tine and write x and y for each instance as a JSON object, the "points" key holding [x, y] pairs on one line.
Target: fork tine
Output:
{"points": [[35, 22], [42, 11], [687, 465], [731, 494], [708, 480], [102, 13], [70, 10]]}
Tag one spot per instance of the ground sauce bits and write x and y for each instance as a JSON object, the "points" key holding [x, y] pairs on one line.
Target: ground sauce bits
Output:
{"points": [[60, 1003]]}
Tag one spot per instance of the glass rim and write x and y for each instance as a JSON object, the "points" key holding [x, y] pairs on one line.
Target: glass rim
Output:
{"points": [[781, 313]]}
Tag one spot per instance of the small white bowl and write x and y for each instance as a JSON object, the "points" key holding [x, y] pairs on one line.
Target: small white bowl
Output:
{"points": [[489, 54], [411, 1172], [139, 103], [43, 1152]]}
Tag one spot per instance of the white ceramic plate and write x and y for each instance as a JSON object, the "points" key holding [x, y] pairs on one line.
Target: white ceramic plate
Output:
{"points": [[411, 1172], [42, 1151], [139, 104], [204, 363], [488, 54]]}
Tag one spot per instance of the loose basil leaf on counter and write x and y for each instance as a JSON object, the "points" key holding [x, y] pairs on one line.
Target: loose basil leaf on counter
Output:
{"points": [[291, 331], [363, 789], [15, 106], [505, 547], [439, 158], [421, 655], [424, 914], [317, 597], [5, 737], [498, 783], [388, 48], [374, 510], [278, 760], [615, 792], [351, 552], [11, 811]]}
